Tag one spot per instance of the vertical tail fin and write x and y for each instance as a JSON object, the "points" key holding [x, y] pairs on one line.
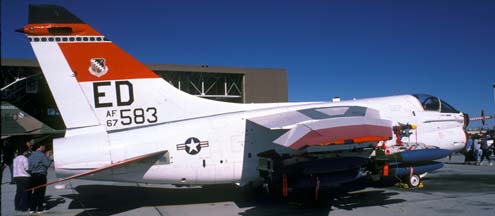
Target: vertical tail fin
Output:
{"points": [[94, 82]]}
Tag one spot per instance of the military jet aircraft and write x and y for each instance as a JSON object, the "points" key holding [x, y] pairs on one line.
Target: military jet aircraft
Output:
{"points": [[125, 123]]}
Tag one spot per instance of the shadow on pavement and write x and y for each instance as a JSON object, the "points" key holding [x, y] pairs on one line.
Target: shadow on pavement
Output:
{"points": [[461, 183], [53, 202], [107, 199], [365, 199]]}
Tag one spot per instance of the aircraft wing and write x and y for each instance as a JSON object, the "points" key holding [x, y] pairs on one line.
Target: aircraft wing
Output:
{"points": [[327, 126], [150, 156], [16, 122]]}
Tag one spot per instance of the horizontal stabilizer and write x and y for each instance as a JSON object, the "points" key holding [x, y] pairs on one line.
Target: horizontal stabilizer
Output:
{"points": [[114, 165]]}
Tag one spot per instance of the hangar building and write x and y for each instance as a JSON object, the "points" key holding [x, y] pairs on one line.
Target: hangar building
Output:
{"points": [[231, 84]]}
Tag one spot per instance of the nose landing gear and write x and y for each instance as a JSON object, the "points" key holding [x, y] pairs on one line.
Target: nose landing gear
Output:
{"points": [[414, 181], [411, 182]]}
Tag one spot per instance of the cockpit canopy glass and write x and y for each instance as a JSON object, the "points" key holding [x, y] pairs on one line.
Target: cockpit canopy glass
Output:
{"points": [[432, 103]]}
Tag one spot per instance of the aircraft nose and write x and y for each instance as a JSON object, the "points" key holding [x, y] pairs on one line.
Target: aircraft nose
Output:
{"points": [[466, 120], [466, 123]]}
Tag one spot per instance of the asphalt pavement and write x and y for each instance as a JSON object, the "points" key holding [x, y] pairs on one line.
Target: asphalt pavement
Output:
{"points": [[456, 189]]}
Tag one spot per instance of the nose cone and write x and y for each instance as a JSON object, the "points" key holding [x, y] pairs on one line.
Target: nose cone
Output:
{"points": [[466, 120], [466, 137]]}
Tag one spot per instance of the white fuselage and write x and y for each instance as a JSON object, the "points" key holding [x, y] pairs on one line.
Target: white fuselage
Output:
{"points": [[233, 143]]}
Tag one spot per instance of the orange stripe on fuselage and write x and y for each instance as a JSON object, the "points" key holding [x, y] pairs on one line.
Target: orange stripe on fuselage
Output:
{"points": [[120, 64]]}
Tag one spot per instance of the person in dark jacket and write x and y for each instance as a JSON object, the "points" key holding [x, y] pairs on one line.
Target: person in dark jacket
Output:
{"points": [[38, 166], [8, 157], [486, 151]]}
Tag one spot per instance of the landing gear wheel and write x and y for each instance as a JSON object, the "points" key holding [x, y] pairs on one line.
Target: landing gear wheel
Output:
{"points": [[414, 181]]}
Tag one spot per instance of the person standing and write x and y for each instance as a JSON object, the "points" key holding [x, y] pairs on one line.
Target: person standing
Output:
{"points": [[477, 151], [22, 179], [8, 157], [468, 151], [38, 164], [486, 151]]}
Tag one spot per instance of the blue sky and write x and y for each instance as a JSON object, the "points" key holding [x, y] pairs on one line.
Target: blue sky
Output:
{"points": [[351, 49]]}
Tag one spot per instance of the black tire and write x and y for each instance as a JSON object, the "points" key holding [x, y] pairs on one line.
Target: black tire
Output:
{"points": [[414, 181]]}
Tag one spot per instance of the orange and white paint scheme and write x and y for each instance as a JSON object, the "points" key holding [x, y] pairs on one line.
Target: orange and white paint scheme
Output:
{"points": [[126, 123]]}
